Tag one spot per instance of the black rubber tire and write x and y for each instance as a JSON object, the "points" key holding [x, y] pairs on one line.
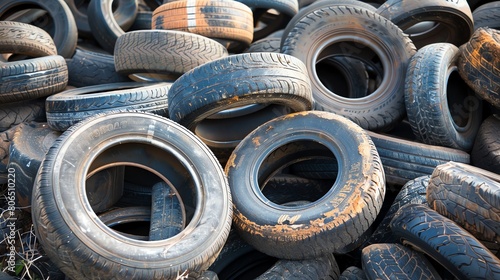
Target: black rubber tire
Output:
{"points": [[478, 64], [5, 142], [71, 106], [62, 219], [87, 68], [395, 261], [487, 15], [486, 150], [468, 196], [353, 273], [143, 21], [135, 195], [65, 33], [164, 52], [12, 114], [27, 39], [454, 20], [265, 45], [167, 213], [229, 22], [32, 78], [262, 78], [320, 227], [441, 108], [121, 216], [321, 268], [405, 160], [310, 41], [286, 188], [441, 239], [104, 25]]}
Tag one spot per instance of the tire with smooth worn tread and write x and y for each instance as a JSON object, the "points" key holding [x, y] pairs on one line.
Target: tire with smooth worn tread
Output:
{"points": [[487, 15], [486, 150]]}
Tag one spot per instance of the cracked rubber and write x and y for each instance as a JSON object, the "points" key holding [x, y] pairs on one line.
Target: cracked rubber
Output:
{"points": [[486, 150]]}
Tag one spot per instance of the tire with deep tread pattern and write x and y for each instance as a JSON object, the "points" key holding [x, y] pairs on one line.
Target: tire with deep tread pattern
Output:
{"points": [[486, 150], [15, 113], [327, 225], [27, 39], [321, 268], [167, 215], [487, 15], [441, 239], [353, 273], [395, 261], [71, 106]]}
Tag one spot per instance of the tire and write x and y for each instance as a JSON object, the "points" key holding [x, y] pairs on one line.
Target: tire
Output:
{"points": [[394, 261], [88, 68], [270, 45], [286, 188], [441, 239], [104, 25], [65, 32], [167, 213], [32, 78], [5, 142], [486, 150], [123, 216], [317, 228], [12, 114], [441, 108], [21, 38], [263, 78], [135, 195], [468, 196], [307, 41], [228, 22], [143, 21], [454, 20], [71, 106], [62, 218], [164, 52], [353, 273], [477, 63], [487, 15], [321, 268], [405, 160]]}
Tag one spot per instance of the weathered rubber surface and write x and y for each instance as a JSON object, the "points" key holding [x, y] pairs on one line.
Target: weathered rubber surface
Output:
{"points": [[104, 24], [15, 113], [32, 78], [5, 142], [486, 150], [405, 160], [135, 195], [265, 45], [27, 39], [321, 268], [326, 169], [441, 108], [454, 18], [227, 21], [71, 106], [262, 78], [167, 217], [88, 68], [395, 261], [479, 62], [469, 196], [65, 31], [327, 26], [443, 240], [288, 7], [164, 52], [353, 273], [286, 188], [62, 219], [327, 225], [142, 21], [487, 15], [125, 215]]}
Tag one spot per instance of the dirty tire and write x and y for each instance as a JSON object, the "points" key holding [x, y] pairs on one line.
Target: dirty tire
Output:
{"points": [[167, 219], [88, 68], [441, 108], [164, 52], [27, 39], [395, 261], [5, 142], [321, 268], [487, 15], [32, 78], [104, 25], [486, 150], [262, 78], [308, 41], [71, 106], [454, 19], [65, 32], [441, 239], [468, 196], [479, 62], [353, 273], [229, 22], [299, 232], [62, 218], [12, 114]]}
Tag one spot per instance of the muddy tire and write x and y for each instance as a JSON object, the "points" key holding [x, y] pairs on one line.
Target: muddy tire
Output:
{"points": [[441, 108], [62, 216], [477, 63], [22, 38], [486, 151], [299, 232]]}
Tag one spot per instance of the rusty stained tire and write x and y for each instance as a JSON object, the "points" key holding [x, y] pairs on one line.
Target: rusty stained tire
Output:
{"points": [[27, 39], [479, 64], [63, 217], [329, 224], [453, 20], [229, 22]]}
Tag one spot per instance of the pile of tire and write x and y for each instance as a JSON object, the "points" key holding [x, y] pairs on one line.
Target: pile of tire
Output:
{"points": [[249, 139]]}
